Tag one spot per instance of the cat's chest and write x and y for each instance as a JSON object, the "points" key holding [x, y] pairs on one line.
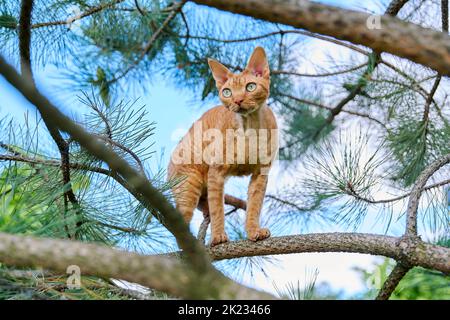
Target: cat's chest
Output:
{"points": [[246, 123], [250, 147]]}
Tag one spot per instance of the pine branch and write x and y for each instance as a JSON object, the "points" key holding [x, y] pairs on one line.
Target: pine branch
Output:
{"points": [[396, 275], [392, 11], [150, 43], [85, 14], [413, 203], [354, 194], [160, 273], [282, 32], [26, 69], [424, 254], [405, 40], [395, 6], [229, 200]]}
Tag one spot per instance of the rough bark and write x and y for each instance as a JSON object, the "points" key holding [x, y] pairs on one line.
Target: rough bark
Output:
{"points": [[161, 273], [410, 252], [425, 46]]}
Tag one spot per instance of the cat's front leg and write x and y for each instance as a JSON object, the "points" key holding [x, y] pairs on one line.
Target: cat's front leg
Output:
{"points": [[256, 193], [215, 185]]}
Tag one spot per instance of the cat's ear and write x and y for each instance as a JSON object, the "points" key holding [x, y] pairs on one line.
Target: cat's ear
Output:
{"points": [[258, 64], [219, 71]]}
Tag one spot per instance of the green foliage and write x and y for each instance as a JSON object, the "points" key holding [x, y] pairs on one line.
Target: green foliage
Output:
{"points": [[8, 21], [306, 127], [32, 194], [415, 144], [342, 173]]}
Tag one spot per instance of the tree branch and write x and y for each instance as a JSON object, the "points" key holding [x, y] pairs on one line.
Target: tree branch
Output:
{"points": [[283, 32], [413, 203], [26, 69], [150, 43], [423, 254], [406, 40], [396, 275], [160, 273], [325, 107], [395, 6], [85, 14]]}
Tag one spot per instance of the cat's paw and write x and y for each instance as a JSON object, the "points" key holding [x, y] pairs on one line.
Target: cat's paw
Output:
{"points": [[218, 239], [258, 234]]}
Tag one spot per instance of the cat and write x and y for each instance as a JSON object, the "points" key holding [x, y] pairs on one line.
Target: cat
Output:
{"points": [[201, 176]]}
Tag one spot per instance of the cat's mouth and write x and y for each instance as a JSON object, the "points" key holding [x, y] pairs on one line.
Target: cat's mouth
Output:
{"points": [[241, 110], [245, 111]]}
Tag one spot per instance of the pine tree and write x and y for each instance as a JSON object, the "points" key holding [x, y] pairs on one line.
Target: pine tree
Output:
{"points": [[352, 126]]}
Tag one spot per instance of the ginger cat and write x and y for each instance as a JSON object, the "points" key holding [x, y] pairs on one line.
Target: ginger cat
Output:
{"points": [[198, 161]]}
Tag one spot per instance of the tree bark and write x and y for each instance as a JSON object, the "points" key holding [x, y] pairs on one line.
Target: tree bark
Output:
{"points": [[425, 46], [410, 252], [161, 273]]}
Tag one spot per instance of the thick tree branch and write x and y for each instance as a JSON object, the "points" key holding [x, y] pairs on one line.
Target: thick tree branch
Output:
{"points": [[160, 273], [406, 40], [403, 250]]}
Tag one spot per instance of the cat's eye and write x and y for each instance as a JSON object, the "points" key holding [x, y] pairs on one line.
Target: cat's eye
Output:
{"points": [[226, 93], [251, 87]]}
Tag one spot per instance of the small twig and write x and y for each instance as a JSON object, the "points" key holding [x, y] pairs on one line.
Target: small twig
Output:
{"points": [[203, 229], [287, 203], [126, 149], [104, 119], [325, 107], [187, 36], [150, 43], [87, 13], [235, 202], [275, 33], [138, 7], [319, 75]]}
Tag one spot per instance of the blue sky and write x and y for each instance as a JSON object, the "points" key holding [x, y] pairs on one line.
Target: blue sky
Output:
{"points": [[174, 110]]}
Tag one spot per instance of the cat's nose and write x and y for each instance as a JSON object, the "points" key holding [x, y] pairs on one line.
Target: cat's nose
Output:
{"points": [[238, 101]]}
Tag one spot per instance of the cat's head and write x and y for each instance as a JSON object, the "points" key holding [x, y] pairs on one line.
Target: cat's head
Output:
{"points": [[247, 91]]}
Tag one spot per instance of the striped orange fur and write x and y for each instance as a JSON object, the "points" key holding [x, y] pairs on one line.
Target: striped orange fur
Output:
{"points": [[201, 175]]}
